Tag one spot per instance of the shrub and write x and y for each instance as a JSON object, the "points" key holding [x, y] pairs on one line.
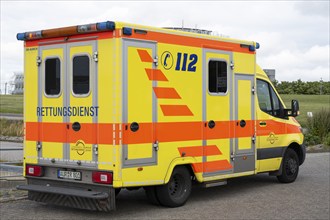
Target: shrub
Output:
{"points": [[11, 128], [318, 127], [327, 140]]}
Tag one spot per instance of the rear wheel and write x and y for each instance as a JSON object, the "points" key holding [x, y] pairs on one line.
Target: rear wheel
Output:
{"points": [[176, 192], [290, 167], [151, 194], [117, 191]]}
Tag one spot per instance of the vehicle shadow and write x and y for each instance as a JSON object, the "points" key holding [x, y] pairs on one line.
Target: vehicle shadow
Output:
{"points": [[129, 203]]}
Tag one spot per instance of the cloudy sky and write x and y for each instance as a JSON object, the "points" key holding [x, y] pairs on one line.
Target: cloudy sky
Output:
{"points": [[294, 35]]}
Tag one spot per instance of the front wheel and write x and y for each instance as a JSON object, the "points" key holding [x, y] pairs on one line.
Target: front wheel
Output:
{"points": [[176, 192], [290, 167]]}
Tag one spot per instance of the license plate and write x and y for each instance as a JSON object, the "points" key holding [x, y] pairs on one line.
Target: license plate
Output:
{"points": [[72, 175]]}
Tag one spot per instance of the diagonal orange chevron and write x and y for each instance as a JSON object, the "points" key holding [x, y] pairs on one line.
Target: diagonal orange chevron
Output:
{"points": [[208, 166], [164, 92]]}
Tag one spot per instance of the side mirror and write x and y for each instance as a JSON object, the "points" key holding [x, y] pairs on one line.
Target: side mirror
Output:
{"points": [[294, 108]]}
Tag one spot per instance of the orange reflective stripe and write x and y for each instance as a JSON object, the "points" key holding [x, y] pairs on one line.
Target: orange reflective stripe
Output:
{"points": [[166, 93], [292, 129], [156, 75], [198, 151], [171, 38], [176, 110], [182, 131], [145, 56], [143, 135], [107, 133]]}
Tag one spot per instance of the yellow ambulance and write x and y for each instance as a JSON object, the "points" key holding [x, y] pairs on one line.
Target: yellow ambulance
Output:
{"points": [[113, 105]]}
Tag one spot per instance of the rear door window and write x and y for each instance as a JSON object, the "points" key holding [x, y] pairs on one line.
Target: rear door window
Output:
{"points": [[81, 75], [52, 76]]}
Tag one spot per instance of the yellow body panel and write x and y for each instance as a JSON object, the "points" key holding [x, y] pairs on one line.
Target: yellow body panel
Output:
{"points": [[107, 85], [30, 100], [267, 165]]}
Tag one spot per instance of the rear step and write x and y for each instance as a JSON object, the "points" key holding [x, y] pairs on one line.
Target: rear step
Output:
{"points": [[214, 183]]}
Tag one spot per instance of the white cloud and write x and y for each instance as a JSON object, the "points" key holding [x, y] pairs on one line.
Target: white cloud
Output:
{"points": [[308, 65]]}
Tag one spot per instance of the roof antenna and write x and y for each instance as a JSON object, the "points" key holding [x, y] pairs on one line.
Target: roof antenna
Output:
{"points": [[182, 23]]}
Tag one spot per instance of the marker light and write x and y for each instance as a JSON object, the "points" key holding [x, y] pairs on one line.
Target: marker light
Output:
{"points": [[252, 48], [20, 36], [31, 170], [127, 31], [102, 177]]}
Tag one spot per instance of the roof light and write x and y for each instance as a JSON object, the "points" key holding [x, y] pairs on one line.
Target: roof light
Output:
{"points": [[108, 25], [127, 31], [86, 28], [257, 45], [67, 31]]}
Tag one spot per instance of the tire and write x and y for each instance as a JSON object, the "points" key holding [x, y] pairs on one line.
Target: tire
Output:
{"points": [[290, 167], [117, 191], [176, 192], [151, 195]]}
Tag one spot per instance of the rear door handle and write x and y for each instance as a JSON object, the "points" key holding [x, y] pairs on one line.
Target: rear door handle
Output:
{"points": [[262, 123]]}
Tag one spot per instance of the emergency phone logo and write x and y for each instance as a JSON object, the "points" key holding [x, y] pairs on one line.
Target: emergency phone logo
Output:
{"points": [[167, 60]]}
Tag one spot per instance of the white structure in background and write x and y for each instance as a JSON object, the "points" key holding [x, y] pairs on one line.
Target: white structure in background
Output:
{"points": [[18, 83], [271, 74]]}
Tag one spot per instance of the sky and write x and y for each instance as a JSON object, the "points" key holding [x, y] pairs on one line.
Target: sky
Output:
{"points": [[294, 35]]}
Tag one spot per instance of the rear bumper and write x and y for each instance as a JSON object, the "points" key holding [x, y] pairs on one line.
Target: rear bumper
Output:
{"points": [[71, 194], [64, 191]]}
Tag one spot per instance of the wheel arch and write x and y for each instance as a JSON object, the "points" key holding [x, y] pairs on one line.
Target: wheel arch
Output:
{"points": [[300, 151], [185, 162]]}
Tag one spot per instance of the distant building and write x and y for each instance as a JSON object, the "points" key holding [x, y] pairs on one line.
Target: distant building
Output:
{"points": [[18, 83], [271, 74]]}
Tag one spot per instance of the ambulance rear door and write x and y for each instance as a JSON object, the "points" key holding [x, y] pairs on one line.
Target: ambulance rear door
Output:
{"points": [[67, 103]]}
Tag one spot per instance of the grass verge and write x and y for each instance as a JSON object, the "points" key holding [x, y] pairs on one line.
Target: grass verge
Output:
{"points": [[11, 104], [307, 103]]}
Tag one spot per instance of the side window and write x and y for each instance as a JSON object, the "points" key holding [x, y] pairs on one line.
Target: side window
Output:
{"points": [[80, 77], [217, 76], [52, 76], [276, 103], [268, 100], [264, 96]]}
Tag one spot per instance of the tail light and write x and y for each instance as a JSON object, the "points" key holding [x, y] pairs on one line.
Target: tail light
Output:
{"points": [[102, 177], [31, 170]]}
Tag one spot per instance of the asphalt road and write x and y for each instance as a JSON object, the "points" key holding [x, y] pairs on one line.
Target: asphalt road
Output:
{"points": [[255, 197], [10, 154]]}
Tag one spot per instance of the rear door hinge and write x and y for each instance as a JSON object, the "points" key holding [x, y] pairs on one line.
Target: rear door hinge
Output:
{"points": [[253, 139], [156, 145], [38, 61], [96, 56], [39, 146], [156, 61], [96, 149], [232, 65], [232, 156], [253, 90]]}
